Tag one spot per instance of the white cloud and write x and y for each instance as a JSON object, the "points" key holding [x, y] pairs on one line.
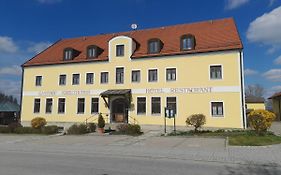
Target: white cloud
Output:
{"points": [[273, 75], [48, 1], [10, 87], [7, 45], [266, 29], [13, 70], [249, 72], [232, 4], [278, 60], [38, 47]]}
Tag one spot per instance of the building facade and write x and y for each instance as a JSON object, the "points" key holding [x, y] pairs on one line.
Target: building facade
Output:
{"points": [[132, 76]]}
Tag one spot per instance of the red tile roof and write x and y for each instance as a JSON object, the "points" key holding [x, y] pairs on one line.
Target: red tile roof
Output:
{"points": [[214, 35]]}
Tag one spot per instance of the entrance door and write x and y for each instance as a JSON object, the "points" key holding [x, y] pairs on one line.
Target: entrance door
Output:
{"points": [[119, 111]]}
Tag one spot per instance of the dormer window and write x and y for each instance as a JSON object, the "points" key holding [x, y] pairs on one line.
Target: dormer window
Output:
{"points": [[187, 42], [68, 54], [92, 51], [154, 46]]}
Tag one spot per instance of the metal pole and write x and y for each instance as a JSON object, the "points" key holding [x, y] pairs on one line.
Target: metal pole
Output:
{"points": [[174, 123], [165, 125]]}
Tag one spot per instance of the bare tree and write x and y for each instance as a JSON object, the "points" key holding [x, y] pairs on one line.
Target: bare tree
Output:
{"points": [[254, 91]]}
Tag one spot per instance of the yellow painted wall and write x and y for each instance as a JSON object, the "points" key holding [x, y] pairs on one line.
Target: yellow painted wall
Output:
{"points": [[192, 71], [255, 106]]}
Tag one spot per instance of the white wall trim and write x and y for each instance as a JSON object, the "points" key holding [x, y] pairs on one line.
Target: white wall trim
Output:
{"points": [[179, 90]]}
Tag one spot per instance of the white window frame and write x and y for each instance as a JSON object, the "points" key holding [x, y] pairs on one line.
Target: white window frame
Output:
{"points": [[116, 67], [77, 106], [222, 72], [52, 110], [132, 75], [93, 113], [65, 79], [41, 80], [86, 78], [157, 75], [62, 113], [79, 79], [166, 74], [166, 100], [223, 105], [107, 77], [39, 106], [141, 114], [161, 105]]}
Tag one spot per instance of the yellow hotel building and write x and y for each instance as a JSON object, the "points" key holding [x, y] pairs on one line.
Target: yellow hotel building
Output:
{"points": [[132, 76]]}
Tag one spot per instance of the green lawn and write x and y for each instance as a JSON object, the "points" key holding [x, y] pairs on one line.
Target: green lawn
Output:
{"points": [[250, 140], [236, 137]]}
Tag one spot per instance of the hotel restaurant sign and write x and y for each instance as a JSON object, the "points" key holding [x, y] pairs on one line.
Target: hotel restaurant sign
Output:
{"points": [[188, 90]]}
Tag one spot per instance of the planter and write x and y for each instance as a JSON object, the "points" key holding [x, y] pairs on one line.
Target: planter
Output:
{"points": [[101, 130]]}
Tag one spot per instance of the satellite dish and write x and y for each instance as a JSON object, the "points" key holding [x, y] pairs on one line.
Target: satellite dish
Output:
{"points": [[134, 26]]}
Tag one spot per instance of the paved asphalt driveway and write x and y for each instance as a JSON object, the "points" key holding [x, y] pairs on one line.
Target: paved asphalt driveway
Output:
{"points": [[147, 154]]}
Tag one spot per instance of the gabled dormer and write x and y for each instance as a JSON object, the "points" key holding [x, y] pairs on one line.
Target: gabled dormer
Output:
{"points": [[70, 53], [93, 51], [121, 47]]}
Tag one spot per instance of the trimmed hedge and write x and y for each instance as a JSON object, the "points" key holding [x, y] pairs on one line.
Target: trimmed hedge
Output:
{"points": [[5, 129], [48, 130], [129, 129], [77, 129]]}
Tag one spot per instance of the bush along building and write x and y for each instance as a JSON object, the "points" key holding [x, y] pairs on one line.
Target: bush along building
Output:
{"points": [[130, 77]]}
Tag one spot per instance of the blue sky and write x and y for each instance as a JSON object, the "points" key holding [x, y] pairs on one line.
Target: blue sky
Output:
{"points": [[29, 26]]}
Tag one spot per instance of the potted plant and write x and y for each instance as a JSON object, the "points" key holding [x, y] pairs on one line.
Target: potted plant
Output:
{"points": [[101, 124]]}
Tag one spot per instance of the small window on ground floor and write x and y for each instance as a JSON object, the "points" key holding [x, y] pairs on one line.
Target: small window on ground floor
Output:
{"points": [[217, 109]]}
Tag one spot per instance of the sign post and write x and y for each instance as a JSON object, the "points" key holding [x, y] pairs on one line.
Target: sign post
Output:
{"points": [[169, 113]]}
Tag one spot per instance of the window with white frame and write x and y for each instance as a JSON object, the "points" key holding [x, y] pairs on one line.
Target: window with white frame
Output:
{"points": [[95, 105], [90, 78], [152, 75], [136, 76], [104, 77], [141, 105], [49, 105], [216, 72], [38, 81], [80, 105], [75, 79], [119, 75], [61, 105], [119, 50], [171, 74], [36, 108], [62, 80], [172, 104], [217, 109], [155, 105]]}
